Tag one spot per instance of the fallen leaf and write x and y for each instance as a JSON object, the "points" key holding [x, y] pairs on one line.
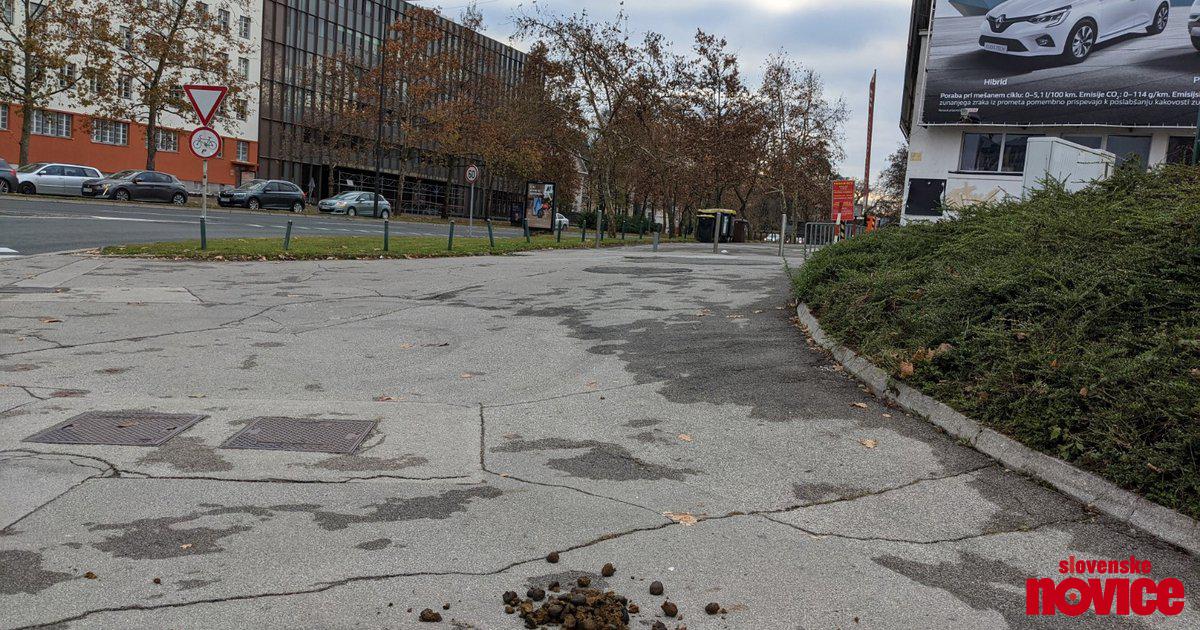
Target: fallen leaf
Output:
{"points": [[407, 346], [685, 519], [869, 443], [591, 385], [943, 349], [860, 405], [386, 399], [186, 546], [685, 437], [467, 375], [1153, 467], [1054, 364], [1083, 392], [758, 311], [887, 415], [51, 320], [906, 369], [89, 575]]}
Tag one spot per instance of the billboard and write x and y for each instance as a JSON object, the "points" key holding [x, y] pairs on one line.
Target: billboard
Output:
{"points": [[843, 200], [1104, 62], [539, 205]]}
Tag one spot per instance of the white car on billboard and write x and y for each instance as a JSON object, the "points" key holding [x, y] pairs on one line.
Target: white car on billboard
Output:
{"points": [[1194, 24], [1066, 28]]}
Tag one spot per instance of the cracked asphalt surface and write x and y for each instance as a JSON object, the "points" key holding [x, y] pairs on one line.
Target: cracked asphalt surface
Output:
{"points": [[593, 403]]}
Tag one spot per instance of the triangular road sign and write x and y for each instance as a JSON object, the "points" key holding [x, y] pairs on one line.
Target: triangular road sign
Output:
{"points": [[205, 99]]}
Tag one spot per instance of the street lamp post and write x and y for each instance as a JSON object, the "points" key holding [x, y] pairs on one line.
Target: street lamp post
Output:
{"points": [[387, 27]]}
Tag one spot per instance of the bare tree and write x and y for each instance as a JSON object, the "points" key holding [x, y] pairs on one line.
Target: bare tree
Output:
{"points": [[162, 45], [48, 49]]}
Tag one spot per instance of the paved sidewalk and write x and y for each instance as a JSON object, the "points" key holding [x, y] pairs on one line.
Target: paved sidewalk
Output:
{"points": [[592, 403]]}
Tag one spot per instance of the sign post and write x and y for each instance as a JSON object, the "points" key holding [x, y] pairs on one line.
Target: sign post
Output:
{"points": [[843, 201], [472, 177], [205, 142]]}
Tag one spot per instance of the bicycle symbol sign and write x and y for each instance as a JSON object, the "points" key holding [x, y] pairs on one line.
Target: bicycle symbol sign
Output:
{"points": [[205, 142]]}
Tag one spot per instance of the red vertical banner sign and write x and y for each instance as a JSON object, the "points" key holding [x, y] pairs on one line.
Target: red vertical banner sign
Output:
{"points": [[843, 200]]}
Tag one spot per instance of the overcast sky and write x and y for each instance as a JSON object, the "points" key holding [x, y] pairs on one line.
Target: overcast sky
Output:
{"points": [[843, 40]]}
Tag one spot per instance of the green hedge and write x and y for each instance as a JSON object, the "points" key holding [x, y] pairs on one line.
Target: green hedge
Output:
{"points": [[1070, 322]]}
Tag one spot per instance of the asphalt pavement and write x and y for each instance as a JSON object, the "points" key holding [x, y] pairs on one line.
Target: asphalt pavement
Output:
{"points": [[41, 224], [660, 412]]}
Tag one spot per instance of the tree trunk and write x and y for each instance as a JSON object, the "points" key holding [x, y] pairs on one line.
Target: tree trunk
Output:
{"points": [[151, 143], [26, 129]]}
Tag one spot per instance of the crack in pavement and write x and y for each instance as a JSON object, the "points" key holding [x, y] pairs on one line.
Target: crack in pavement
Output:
{"points": [[322, 587], [29, 453], [1018, 530], [580, 393], [133, 474]]}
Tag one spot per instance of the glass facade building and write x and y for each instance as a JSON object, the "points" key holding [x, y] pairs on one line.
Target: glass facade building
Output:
{"points": [[297, 36]]}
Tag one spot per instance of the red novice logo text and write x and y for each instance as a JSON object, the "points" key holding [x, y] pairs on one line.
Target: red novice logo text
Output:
{"points": [[1104, 587]]}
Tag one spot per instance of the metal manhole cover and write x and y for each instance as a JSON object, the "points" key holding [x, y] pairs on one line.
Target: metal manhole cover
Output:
{"points": [[299, 434], [120, 428]]}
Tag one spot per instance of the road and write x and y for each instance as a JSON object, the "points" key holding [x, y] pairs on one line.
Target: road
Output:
{"points": [[40, 224], [659, 412]]}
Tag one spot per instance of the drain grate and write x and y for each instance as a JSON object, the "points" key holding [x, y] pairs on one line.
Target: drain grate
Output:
{"points": [[278, 433], [120, 428]]}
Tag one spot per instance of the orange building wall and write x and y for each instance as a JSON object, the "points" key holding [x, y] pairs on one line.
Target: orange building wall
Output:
{"points": [[109, 158]]}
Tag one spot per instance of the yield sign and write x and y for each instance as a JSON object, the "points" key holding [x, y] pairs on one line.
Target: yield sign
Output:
{"points": [[205, 99]]}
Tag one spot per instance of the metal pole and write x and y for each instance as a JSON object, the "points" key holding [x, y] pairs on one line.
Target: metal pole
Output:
{"points": [[385, 235], [782, 234], [525, 224], [287, 236], [204, 206], [450, 243], [471, 214], [716, 230], [599, 227], [491, 237], [582, 232], [559, 231], [379, 119]]}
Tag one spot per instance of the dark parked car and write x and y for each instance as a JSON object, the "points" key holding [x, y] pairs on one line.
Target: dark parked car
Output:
{"points": [[355, 203], [8, 177], [137, 186], [264, 193]]}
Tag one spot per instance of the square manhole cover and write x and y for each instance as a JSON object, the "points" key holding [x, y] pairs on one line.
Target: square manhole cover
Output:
{"points": [[121, 428], [300, 434]]}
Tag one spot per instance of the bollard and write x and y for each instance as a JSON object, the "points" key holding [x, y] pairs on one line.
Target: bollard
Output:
{"points": [[450, 243], [203, 235], [716, 231], [622, 230], [287, 237], [583, 233], [491, 237], [385, 235], [656, 240], [642, 234], [560, 232], [525, 224]]}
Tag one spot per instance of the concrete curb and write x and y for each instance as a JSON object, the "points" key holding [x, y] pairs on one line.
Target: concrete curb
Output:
{"points": [[1164, 523]]}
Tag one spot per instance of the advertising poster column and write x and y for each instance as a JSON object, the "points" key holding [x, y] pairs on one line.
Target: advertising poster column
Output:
{"points": [[539, 205]]}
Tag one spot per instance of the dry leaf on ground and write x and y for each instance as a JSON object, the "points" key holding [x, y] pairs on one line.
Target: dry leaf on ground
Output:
{"points": [[869, 443], [685, 437], [683, 518], [860, 405]]}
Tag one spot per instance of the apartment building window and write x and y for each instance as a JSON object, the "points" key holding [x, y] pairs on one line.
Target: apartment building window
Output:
{"points": [[993, 152], [223, 18], [126, 38], [244, 27], [166, 140], [244, 67], [55, 124], [110, 132], [66, 76], [176, 94], [241, 109], [4, 117], [6, 8], [243, 151]]}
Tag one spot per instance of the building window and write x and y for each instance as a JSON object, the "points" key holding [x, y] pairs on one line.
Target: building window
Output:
{"points": [[110, 132], [4, 117], [6, 9], [176, 94], [1091, 142], [126, 38], [1128, 148], [244, 27], [244, 67], [166, 140], [1179, 149], [993, 152], [243, 151], [240, 109], [55, 124], [66, 76], [223, 19], [125, 88]]}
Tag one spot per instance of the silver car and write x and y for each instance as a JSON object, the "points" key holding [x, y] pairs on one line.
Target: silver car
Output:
{"points": [[355, 203], [54, 179]]}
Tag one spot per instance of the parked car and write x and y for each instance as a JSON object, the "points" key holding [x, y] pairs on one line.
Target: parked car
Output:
{"points": [[137, 186], [1037, 28], [264, 193], [561, 222], [8, 177], [53, 179], [354, 203]]}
